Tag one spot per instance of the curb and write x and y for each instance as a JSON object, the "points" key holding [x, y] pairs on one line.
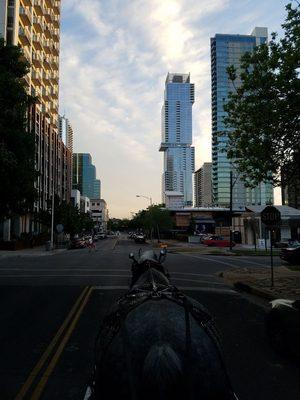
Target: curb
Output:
{"points": [[243, 287]]}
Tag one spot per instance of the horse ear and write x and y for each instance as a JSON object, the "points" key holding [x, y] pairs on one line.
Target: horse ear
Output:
{"points": [[131, 256]]}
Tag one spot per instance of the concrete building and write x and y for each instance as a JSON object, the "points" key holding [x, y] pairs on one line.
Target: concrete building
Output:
{"points": [[35, 27], [202, 180], [65, 132], [174, 199], [99, 213], [179, 155], [85, 204], [75, 198], [227, 50], [84, 176]]}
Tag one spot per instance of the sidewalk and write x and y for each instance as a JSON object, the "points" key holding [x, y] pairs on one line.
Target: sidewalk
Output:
{"points": [[258, 281], [38, 251]]}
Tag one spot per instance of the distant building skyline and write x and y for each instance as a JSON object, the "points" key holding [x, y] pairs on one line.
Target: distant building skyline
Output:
{"points": [[84, 176], [65, 132], [226, 50], [202, 192], [177, 136]]}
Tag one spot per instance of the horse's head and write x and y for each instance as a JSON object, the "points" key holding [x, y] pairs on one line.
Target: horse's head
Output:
{"points": [[146, 261]]}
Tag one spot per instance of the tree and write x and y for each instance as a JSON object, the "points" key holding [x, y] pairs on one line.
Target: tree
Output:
{"points": [[263, 112], [154, 218], [17, 148]]}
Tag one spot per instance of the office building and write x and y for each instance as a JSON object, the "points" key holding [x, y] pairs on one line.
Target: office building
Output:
{"points": [[84, 176], [179, 154], [202, 179], [65, 132], [227, 50]]}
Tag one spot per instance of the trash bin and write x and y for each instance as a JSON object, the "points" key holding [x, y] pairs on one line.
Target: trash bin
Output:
{"points": [[48, 245]]}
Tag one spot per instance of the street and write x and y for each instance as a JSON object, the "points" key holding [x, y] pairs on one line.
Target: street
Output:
{"points": [[51, 308]]}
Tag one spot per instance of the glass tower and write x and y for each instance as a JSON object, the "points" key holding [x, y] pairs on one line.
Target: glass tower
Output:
{"points": [[179, 155], [84, 176], [227, 50]]}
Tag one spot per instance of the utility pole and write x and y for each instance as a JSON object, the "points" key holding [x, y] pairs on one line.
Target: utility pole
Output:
{"points": [[230, 211]]}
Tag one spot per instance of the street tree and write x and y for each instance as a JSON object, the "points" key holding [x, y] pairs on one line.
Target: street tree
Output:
{"points": [[263, 111], [156, 218], [17, 171]]}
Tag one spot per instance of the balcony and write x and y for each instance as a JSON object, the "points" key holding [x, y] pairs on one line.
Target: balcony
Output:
{"points": [[47, 33], [38, 6], [48, 17], [47, 48], [38, 24], [54, 64], [55, 21], [54, 93], [46, 78], [47, 63], [24, 36], [27, 2], [56, 7], [25, 16], [55, 51], [49, 3], [36, 41], [36, 77], [55, 35], [37, 60]]}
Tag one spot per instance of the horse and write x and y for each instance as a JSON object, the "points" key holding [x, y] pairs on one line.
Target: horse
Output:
{"points": [[158, 343]]}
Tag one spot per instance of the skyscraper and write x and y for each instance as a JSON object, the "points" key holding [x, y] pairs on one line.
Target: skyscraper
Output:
{"points": [[203, 186], [179, 155], [227, 50], [84, 176], [65, 132]]}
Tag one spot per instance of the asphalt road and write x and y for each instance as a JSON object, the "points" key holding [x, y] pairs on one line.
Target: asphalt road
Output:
{"points": [[51, 308]]}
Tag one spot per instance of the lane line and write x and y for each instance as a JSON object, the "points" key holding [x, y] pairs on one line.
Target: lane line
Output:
{"points": [[209, 259], [193, 280], [44, 379], [49, 349]]}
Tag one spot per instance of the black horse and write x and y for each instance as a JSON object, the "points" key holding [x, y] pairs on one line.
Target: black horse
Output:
{"points": [[158, 344]]}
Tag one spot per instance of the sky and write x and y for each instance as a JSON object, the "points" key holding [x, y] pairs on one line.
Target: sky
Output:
{"points": [[115, 55]]}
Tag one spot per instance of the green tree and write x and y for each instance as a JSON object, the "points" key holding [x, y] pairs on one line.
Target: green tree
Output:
{"points": [[17, 148], [154, 218], [263, 112]]}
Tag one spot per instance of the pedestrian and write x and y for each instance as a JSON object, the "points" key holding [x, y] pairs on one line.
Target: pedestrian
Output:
{"points": [[91, 244]]}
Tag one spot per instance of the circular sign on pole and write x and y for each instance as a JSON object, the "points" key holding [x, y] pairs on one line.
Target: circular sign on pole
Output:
{"points": [[270, 216], [59, 228]]}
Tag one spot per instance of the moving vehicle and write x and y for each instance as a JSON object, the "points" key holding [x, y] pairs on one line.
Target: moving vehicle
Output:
{"points": [[291, 255], [140, 238], [77, 243], [217, 241]]}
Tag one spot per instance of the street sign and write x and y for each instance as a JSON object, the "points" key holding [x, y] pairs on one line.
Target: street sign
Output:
{"points": [[270, 216], [59, 228]]}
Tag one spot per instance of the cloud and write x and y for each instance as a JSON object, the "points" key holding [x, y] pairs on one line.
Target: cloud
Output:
{"points": [[115, 55]]}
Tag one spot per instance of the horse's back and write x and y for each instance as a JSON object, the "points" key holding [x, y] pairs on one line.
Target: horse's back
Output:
{"points": [[163, 327]]}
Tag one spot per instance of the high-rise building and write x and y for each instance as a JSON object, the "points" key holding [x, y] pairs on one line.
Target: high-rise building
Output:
{"points": [[84, 176], [202, 180], [179, 155], [34, 25], [227, 50], [65, 132]]}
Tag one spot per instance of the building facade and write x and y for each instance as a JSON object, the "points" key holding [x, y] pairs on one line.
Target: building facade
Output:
{"points": [[202, 179], [227, 50], [65, 132], [35, 26], [99, 213], [84, 176], [179, 155]]}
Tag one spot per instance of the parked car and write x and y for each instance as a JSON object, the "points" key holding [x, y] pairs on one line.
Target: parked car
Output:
{"points": [[217, 241], [102, 236], [291, 255], [139, 238], [287, 243], [77, 243]]}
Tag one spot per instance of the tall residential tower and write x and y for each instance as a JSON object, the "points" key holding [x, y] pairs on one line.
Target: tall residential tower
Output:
{"points": [[84, 176], [179, 155], [227, 50]]}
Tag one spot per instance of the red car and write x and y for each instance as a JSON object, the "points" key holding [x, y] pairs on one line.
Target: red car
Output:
{"points": [[217, 241]]}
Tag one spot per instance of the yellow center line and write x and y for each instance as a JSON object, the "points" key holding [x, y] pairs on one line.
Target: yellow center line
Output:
{"points": [[24, 389], [41, 385]]}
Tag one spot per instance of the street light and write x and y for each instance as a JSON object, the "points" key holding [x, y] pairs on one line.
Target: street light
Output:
{"points": [[145, 197]]}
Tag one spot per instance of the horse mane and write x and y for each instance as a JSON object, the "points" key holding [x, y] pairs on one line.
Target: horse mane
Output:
{"points": [[162, 375]]}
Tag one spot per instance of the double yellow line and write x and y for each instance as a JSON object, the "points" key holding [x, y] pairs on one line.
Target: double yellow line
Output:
{"points": [[70, 322]]}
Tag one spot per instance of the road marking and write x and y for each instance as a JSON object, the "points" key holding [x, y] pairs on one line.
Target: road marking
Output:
{"points": [[44, 379], [194, 280], [49, 349], [63, 276]]}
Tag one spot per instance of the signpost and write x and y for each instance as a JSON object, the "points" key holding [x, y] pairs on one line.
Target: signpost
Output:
{"points": [[271, 217]]}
